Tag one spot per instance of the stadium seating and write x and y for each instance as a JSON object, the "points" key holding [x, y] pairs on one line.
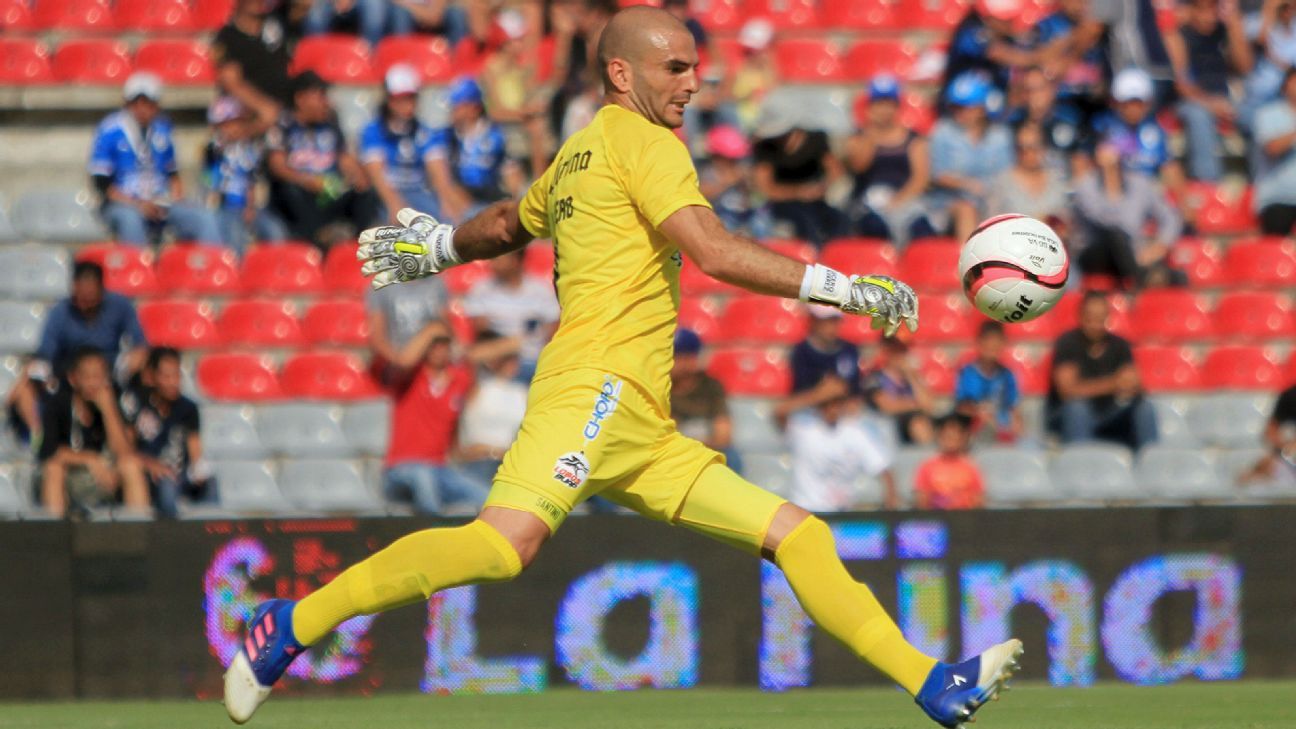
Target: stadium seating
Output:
{"points": [[342, 59], [342, 271], [16, 16], [866, 15], [20, 326], [751, 371], [1260, 262], [1242, 367], [429, 55], [73, 15], [367, 426], [786, 15], [180, 62], [461, 278], [905, 465], [798, 249], [1170, 315], [1201, 260], [859, 255], [808, 60], [695, 283], [1094, 472], [931, 265], [127, 270], [327, 375], [11, 504], [153, 16], [260, 323], [24, 61], [772, 470], [56, 216], [948, 318], [195, 268], [930, 14], [1163, 368], [238, 376], [282, 268], [1172, 421], [762, 320], [868, 58], [327, 486], [1231, 464], [211, 14], [1254, 315], [720, 15], [938, 369], [248, 487], [1229, 420], [702, 316], [337, 322], [302, 430], [539, 259], [1031, 369], [229, 432], [33, 272], [92, 61], [754, 427], [1014, 476], [1179, 473], [179, 323]]}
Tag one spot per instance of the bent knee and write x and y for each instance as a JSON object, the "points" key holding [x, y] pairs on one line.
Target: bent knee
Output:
{"points": [[786, 520], [521, 531]]}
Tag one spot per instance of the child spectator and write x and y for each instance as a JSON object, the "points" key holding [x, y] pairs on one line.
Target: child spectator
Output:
{"points": [[405, 158], [896, 389], [986, 391], [232, 160], [950, 479], [724, 181], [967, 152]]}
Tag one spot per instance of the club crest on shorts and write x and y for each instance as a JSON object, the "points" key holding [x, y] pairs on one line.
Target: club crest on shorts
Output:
{"points": [[572, 469]]}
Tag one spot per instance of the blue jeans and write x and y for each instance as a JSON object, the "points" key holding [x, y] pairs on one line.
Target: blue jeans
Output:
{"points": [[266, 228], [168, 491], [189, 221], [1132, 424], [454, 23], [430, 487], [1202, 130], [369, 16]]}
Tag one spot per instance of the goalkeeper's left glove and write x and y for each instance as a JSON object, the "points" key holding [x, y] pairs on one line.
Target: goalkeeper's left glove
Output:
{"points": [[417, 248], [888, 301]]}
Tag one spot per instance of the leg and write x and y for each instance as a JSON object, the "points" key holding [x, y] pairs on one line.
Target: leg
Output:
{"points": [[459, 488], [1077, 421], [166, 494], [319, 19], [372, 20], [134, 484], [963, 216], [297, 208], [1201, 130], [126, 223], [414, 482], [53, 487]]}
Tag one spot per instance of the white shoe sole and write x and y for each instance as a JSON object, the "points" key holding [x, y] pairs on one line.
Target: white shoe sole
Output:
{"points": [[998, 664], [243, 694]]}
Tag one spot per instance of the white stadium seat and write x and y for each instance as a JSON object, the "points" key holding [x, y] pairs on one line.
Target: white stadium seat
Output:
{"points": [[367, 426], [229, 432], [20, 326], [33, 272], [327, 486], [1180, 473], [1094, 472], [1230, 419], [249, 487], [1014, 475], [297, 430], [57, 216]]}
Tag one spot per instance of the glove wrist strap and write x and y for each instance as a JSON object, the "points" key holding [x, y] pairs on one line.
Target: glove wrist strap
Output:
{"points": [[823, 285], [441, 246]]}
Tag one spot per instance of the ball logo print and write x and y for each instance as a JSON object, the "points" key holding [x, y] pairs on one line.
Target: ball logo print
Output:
{"points": [[1014, 268]]}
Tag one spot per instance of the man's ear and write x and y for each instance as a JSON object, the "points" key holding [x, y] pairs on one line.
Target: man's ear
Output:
{"points": [[620, 74]]}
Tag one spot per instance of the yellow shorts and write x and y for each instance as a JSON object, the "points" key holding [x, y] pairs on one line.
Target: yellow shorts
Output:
{"points": [[589, 432]]}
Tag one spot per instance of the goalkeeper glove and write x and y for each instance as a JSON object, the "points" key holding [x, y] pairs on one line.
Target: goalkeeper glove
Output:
{"points": [[888, 301], [417, 248]]}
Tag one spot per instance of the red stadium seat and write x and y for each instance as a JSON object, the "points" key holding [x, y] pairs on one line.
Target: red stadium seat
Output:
{"points": [[211, 14], [342, 270], [92, 61], [720, 15], [199, 269], [326, 375], [1201, 260], [1241, 367], [695, 283], [1032, 370], [65, 15], [762, 320], [15, 17], [1220, 214], [179, 62], [539, 259], [930, 14], [260, 323], [236, 376], [948, 318], [153, 16], [336, 58], [702, 315], [1261, 262], [429, 55], [859, 255], [931, 266], [752, 371], [808, 60], [868, 58], [24, 61], [859, 330], [797, 249], [461, 278], [1167, 369], [786, 14], [859, 14], [282, 268], [1170, 315], [127, 269], [342, 322], [937, 368], [179, 323], [1254, 315]]}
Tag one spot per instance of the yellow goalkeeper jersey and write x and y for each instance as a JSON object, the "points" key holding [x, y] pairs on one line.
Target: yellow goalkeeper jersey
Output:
{"points": [[617, 277]]}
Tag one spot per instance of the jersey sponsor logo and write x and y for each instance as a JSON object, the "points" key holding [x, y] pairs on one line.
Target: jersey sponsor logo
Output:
{"points": [[604, 406], [572, 469]]}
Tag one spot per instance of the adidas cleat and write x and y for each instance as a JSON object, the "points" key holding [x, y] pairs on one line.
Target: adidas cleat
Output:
{"points": [[268, 649], [953, 693]]}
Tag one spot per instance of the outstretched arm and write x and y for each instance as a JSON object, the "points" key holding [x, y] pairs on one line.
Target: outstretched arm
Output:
{"points": [[420, 246]]}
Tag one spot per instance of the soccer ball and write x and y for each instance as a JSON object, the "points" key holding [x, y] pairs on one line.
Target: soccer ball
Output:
{"points": [[1013, 268]]}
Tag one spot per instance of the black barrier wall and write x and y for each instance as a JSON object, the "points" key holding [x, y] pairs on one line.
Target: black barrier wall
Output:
{"points": [[1139, 595]]}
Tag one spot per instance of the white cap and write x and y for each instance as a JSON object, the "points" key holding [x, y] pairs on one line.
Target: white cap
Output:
{"points": [[1132, 84], [143, 83], [402, 79], [512, 22], [756, 34]]}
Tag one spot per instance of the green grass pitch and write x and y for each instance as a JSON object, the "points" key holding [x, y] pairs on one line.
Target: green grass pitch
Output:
{"points": [[1245, 705]]}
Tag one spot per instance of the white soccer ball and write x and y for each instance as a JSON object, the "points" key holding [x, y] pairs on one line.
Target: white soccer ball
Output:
{"points": [[1013, 268]]}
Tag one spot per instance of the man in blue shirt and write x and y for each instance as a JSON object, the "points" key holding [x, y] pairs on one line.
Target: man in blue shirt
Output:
{"points": [[133, 165], [93, 317], [987, 390], [477, 154]]}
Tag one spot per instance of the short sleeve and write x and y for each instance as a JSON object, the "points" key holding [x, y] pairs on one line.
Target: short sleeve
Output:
{"points": [[274, 138], [371, 145], [1067, 351], [191, 420], [1011, 393], [533, 211], [659, 175], [964, 388], [101, 155], [1273, 121]]}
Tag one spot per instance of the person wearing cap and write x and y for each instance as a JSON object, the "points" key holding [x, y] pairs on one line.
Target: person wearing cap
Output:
{"points": [[984, 42], [968, 150], [891, 169], [405, 158], [756, 72], [316, 185], [1207, 48], [133, 166], [232, 171], [1275, 183], [724, 180], [793, 169], [698, 402], [1131, 127], [477, 148]]}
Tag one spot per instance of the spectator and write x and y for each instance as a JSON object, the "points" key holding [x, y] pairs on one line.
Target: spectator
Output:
{"points": [[1134, 132], [1031, 186], [398, 313], [434, 17], [404, 158], [85, 455], [892, 169], [1094, 389], [1276, 44], [1278, 465], [983, 46], [251, 55], [1134, 39], [516, 306], [1275, 182], [576, 26], [1072, 47], [793, 169], [756, 73], [967, 152], [710, 109], [93, 318], [493, 415], [133, 166], [22, 406], [1065, 127], [835, 454], [429, 392], [680, 9], [165, 426], [1207, 48], [824, 354], [725, 181], [511, 84], [698, 401], [369, 18], [314, 180], [477, 155], [895, 388], [232, 162], [1112, 209], [950, 480], [986, 391]]}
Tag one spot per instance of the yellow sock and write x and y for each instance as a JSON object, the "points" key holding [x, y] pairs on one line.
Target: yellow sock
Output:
{"points": [[845, 608], [410, 570]]}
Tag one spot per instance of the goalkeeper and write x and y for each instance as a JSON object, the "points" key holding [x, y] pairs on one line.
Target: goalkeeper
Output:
{"points": [[621, 203]]}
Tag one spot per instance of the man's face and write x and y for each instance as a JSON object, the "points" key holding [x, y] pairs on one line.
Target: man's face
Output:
{"points": [[87, 294], [1039, 93], [166, 379], [402, 106], [438, 355], [665, 78], [312, 105], [686, 364], [1093, 318], [1133, 111], [968, 116], [89, 377], [990, 347], [882, 112], [465, 113], [143, 109]]}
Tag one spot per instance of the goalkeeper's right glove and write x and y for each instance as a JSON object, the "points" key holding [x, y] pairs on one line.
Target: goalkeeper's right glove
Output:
{"points": [[888, 301], [418, 247]]}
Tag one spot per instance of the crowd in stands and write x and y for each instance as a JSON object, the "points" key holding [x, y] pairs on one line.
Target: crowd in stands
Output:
{"points": [[1069, 120]]}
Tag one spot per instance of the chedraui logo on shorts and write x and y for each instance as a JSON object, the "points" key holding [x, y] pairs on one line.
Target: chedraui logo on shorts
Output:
{"points": [[604, 406], [572, 469]]}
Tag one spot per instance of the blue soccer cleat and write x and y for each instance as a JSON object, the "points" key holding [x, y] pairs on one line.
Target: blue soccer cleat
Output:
{"points": [[268, 649], [953, 693]]}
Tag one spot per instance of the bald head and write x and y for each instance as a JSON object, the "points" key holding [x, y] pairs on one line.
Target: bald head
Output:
{"points": [[648, 61], [634, 33]]}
